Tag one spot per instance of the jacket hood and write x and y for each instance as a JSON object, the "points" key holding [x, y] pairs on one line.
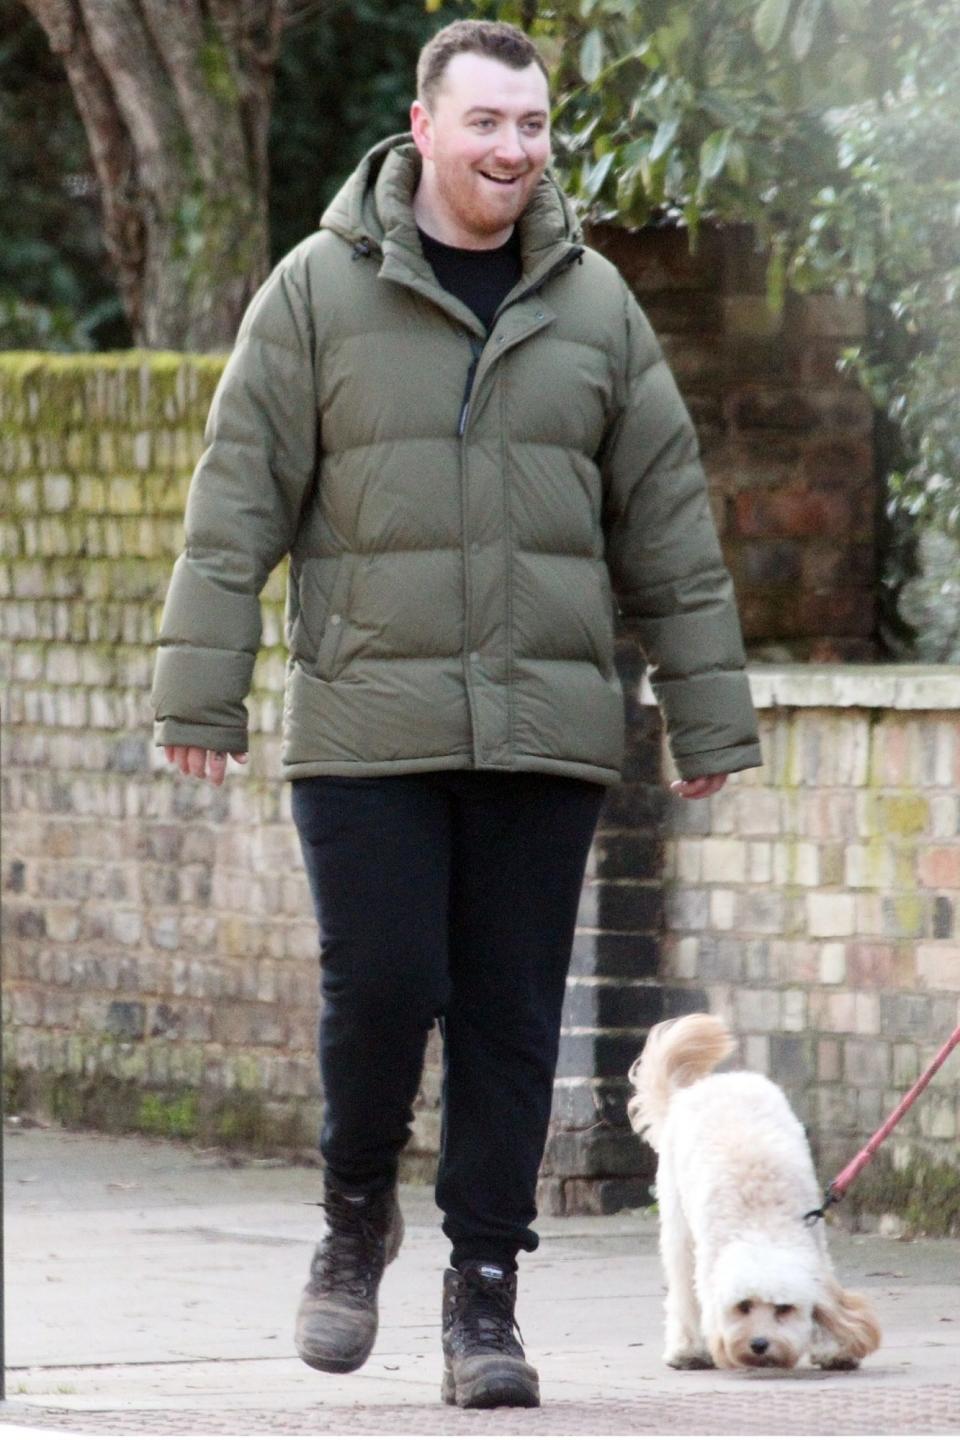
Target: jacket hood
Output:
{"points": [[375, 205]]}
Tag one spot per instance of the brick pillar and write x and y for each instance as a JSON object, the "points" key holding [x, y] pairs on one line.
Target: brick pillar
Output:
{"points": [[594, 1164]]}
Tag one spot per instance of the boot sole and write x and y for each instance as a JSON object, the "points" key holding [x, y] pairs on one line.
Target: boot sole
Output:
{"points": [[345, 1365], [333, 1366], [517, 1385]]}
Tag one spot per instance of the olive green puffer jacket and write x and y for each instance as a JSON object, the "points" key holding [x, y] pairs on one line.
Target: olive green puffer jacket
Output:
{"points": [[460, 512]]}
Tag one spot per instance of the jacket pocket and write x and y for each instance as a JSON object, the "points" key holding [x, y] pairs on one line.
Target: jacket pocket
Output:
{"points": [[322, 589]]}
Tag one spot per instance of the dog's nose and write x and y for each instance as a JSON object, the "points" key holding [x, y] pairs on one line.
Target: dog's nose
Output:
{"points": [[759, 1346]]}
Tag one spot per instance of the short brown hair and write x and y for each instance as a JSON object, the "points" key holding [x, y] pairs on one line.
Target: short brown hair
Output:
{"points": [[495, 38]]}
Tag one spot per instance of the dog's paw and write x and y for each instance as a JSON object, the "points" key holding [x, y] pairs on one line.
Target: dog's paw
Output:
{"points": [[835, 1362], [689, 1360]]}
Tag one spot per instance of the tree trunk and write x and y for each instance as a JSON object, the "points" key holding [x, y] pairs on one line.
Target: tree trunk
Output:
{"points": [[175, 97]]}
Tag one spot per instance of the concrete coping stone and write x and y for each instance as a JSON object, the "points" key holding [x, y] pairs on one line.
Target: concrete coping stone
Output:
{"points": [[837, 687]]}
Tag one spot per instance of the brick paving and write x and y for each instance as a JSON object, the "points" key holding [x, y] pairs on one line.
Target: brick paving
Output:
{"points": [[872, 1410]]}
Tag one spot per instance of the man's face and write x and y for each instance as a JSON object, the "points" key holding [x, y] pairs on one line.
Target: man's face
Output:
{"points": [[487, 142]]}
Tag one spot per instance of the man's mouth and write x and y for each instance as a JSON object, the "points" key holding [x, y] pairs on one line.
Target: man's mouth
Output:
{"points": [[505, 180]]}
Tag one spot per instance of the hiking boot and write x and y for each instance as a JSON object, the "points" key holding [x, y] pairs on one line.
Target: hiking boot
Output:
{"points": [[337, 1319], [483, 1360]]}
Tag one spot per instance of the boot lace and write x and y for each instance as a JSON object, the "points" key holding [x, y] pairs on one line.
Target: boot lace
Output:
{"points": [[486, 1317], [351, 1254]]}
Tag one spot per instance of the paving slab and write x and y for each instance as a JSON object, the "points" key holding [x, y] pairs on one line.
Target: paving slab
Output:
{"points": [[151, 1287]]}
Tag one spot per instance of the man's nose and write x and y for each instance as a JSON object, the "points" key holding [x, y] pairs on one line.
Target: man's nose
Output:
{"points": [[510, 146], [759, 1346]]}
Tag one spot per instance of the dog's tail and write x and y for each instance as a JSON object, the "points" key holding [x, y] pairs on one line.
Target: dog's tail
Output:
{"points": [[676, 1053]]}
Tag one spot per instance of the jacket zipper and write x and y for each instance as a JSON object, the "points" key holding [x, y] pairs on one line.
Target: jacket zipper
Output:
{"points": [[476, 350], [476, 345]]}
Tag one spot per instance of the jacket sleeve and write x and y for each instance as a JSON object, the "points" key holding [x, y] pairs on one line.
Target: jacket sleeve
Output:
{"points": [[242, 512], [667, 569]]}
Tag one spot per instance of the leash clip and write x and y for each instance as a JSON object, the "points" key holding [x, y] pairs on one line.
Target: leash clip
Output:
{"points": [[831, 1197]]}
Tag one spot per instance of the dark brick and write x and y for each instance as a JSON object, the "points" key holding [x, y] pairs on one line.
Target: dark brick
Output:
{"points": [[792, 1060], [942, 918], [166, 1021], [587, 1103], [16, 877], [642, 759], [126, 1019], [683, 1002], [593, 1152], [599, 1055], [634, 805], [629, 956], [607, 1197], [29, 924], [624, 906], [604, 1007], [628, 857], [906, 1016]]}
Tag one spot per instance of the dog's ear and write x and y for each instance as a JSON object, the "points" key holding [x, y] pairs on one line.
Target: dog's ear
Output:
{"points": [[849, 1321]]}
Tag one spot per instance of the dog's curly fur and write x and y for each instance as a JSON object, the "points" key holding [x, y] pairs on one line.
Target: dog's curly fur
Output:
{"points": [[748, 1282]]}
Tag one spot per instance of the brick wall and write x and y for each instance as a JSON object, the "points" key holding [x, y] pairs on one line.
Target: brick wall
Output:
{"points": [[159, 950], [788, 445], [814, 903]]}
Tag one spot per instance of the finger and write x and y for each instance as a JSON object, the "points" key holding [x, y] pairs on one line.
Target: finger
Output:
{"points": [[196, 762], [697, 789], [216, 766]]}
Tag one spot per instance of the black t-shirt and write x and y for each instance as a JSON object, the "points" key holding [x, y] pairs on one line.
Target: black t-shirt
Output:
{"points": [[480, 278]]}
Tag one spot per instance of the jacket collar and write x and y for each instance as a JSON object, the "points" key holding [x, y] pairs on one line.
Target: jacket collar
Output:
{"points": [[374, 211]]}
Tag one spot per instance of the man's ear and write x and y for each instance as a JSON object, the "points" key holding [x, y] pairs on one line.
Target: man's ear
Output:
{"points": [[421, 123]]}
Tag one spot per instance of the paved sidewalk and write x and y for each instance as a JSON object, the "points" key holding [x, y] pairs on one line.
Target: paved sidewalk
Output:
{"points": [[151, 1289]]}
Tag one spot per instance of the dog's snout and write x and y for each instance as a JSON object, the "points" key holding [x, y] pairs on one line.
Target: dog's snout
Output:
{"points": [[759, 1346]]}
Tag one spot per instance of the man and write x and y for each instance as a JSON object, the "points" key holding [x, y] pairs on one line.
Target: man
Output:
{"points": [[455, 419]]}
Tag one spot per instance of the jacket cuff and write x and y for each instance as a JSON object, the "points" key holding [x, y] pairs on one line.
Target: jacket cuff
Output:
{"points": [[207, 737], [718, 762]]}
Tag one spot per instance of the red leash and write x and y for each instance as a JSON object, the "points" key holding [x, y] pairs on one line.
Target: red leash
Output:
{"points": [[838, 1187]]}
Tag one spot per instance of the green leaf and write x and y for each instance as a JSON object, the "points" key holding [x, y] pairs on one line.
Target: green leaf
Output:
{"points": [[664, 138], [713, 154], [851, 14], [801, 36], [591, 56], [593, 180], [768, 23], [737, 165]]}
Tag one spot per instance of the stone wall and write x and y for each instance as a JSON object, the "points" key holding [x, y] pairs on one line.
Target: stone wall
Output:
{"points": [[814, 903]]}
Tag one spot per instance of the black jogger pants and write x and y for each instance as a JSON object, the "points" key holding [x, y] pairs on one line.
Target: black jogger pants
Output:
{"points": [[449, 894]]}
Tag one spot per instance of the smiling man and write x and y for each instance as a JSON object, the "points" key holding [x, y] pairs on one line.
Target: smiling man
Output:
{"points": [[453, 417]]}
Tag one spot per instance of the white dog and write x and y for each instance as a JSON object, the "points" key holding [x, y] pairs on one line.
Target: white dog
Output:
{"points": [[749, 1283]]}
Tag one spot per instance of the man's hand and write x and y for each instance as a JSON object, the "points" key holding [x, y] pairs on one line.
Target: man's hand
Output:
{"points": [[700, 788], [201, 764]]}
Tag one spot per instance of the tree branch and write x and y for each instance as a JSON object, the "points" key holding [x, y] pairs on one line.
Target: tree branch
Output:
{"points": [[210, 118], [110, 146], [125, 49]]}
